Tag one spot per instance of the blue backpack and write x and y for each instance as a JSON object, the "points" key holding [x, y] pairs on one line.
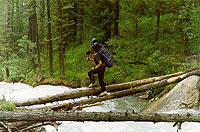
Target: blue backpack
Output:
{"points": [[109, 60]]}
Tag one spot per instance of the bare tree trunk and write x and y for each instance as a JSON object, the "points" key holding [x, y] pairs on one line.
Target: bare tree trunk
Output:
{"points": [[50, 39], [116, 18], [158, 20], [42, 22], [36, 37], [81, 25], [96, 116], [116, 87], [136, 27], [61, 43]]}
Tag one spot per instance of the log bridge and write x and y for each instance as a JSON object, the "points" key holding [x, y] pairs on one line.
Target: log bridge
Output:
{"points": [[42, 116], [68, 111]]}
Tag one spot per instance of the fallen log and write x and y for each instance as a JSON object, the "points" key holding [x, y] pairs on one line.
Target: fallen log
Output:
{"points": [[95, 91], [122, 86], [96, 116], [127, 92]]}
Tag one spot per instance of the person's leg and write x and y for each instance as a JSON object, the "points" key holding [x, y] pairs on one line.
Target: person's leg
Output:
{"points": [[91, 76], [101, 78]]}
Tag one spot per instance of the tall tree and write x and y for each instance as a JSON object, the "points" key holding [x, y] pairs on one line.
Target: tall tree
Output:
{"points": [[37, 38], [100, 15], [42, 22], [33, 32], [158, 20], [81, 24], [61, 43], [116, 18], [50, 39], [9, 36]]}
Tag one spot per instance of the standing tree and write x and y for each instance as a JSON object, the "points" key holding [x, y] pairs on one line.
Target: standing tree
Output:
{"points": [[158, 19], [61, 43], [33, 31], [50, 39], [116, 18]]}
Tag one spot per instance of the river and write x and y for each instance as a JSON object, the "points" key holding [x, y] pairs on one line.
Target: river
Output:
{"points": [[22, 92]]}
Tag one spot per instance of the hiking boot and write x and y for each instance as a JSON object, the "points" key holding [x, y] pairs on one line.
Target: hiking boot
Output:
{"points": [[91, 85], [103, 94]]}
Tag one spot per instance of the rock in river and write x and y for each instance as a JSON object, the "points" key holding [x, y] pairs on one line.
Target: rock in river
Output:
{"points": [[184, 95]]}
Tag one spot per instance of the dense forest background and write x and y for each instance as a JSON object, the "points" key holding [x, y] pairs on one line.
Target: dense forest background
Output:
{"points": [[50, 37]]}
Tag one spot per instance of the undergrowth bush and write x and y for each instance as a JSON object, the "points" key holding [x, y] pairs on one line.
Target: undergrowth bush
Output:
{"points": [[159, 64], [7, 105]]}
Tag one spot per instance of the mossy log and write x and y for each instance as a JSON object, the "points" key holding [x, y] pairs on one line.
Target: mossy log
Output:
{"points": [[42, 116], [95, 91]]}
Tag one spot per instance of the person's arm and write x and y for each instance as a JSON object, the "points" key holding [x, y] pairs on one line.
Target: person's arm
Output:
{"points": [[95, 68], [89, 59]]}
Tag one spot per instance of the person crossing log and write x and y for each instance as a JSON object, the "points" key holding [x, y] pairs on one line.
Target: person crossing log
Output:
{"points": [[94, 91], [127, 92]]}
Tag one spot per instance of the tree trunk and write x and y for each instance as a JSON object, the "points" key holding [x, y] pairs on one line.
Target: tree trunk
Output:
{"points": [[75, 19], [50, 39], [37, 37], [158, 20], [114, 87], [96, 116], [42, 22], [7, 70], [61, 43], [116, 18], [81, 25], [136, 27]]}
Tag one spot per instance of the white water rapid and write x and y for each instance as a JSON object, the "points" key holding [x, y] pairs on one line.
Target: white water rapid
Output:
{"points": [[22, 92]]}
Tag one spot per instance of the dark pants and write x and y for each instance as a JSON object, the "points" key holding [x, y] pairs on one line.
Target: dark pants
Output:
{"points": [[100, 71]]}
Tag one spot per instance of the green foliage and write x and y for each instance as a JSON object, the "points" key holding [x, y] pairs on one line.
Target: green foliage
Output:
{"points": [[83, 20], [7, 105], [20, 64], [76, 66], [159, 63]]}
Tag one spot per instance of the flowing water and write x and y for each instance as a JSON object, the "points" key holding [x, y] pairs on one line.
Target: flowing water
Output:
{"points": [[22, 92]]}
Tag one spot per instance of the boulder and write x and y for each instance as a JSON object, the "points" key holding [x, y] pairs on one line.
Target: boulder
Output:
{"points": [[184, 95]]}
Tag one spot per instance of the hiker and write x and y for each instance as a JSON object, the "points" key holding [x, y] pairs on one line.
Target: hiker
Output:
{"points": [[102, 60], [98, 69]]}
